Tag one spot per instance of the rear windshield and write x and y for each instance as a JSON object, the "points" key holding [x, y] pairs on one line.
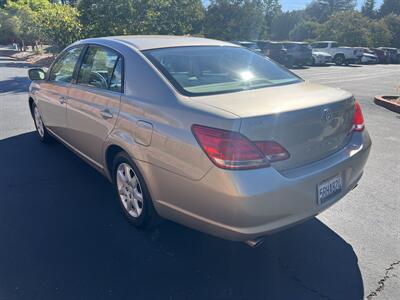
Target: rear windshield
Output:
{"points": [[196, 71]]}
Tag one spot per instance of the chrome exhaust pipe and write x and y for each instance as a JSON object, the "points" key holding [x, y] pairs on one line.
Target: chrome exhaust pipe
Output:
{"points": [[255, 242]]}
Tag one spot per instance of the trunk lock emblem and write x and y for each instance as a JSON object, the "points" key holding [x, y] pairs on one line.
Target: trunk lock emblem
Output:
{"points": [[326, 115]]}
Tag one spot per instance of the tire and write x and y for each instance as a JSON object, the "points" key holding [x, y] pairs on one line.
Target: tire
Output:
{"points": [[339, 59], [132, 193], [41, 130], [289, 62]]}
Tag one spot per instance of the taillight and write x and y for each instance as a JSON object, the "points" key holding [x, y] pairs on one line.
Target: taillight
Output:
{"points": [[358, 119], [232, 150], [273, 151]]}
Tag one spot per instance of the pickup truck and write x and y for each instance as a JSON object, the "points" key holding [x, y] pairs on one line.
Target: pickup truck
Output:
{"points": [[341, 55]]}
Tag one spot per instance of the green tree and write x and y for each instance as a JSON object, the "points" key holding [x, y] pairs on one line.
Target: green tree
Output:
{"points": [[368, 9], [271, 9], [10, 28], [392, 22], [349, 28], [321, 10], [34, 5], [235, 20], [305, 30], [380, 33], [174, 17], [283, 23], [116, 17], [21, 13], [389, 7], [59, 25], [110, 17]]}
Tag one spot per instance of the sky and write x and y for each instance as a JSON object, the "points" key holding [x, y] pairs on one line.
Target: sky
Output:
{"points": [[299, 4], [288, 5]]}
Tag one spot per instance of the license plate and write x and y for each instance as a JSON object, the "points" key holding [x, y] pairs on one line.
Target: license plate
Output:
{"points": [[329, 188]]}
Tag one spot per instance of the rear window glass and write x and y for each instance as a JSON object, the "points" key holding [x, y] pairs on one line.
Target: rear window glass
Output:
{"points": [[205, 70]]}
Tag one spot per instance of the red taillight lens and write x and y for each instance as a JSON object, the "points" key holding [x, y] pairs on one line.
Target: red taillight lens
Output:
{"points": [[227, 149], [358, 119], [273, 151], [232, 150]]}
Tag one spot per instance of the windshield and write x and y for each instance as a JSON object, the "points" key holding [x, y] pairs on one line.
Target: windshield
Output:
{"points": [[208, 70]]}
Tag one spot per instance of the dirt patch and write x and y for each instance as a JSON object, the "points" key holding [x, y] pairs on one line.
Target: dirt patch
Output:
{"points": [[390, 102], [41, 60], [35, 59]]}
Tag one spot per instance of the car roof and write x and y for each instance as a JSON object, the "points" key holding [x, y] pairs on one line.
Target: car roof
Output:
{"points": [[146, 42], [295, 43]]}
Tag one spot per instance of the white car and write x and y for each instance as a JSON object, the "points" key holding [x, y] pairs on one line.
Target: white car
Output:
{"points": [[341, 55], [369, 58], [321, 58]]}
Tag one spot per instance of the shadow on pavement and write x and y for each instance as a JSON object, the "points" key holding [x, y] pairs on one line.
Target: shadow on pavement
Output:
{"points": [[63, 237], [18, 84]]}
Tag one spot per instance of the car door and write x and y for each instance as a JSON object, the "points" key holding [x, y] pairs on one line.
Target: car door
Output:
{"points": [[53, 92], [94, 100]]}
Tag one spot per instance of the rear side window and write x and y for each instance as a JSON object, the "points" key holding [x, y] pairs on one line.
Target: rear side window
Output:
{"points": [[320, 45], [290, 46], [63, 68], [100, 69]]}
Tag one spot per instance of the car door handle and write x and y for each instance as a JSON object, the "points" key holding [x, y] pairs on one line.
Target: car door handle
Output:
{"points": [[106, 113], [62, 99]]}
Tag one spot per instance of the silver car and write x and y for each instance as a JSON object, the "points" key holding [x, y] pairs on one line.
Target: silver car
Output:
{"points": [[202, 132]]}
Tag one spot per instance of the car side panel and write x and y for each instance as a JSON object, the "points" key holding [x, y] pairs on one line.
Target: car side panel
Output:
{"points": [[50, 98], [87, 126]]}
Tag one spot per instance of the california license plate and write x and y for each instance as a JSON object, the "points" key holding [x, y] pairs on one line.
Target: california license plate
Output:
{"points": [[329, 188]]}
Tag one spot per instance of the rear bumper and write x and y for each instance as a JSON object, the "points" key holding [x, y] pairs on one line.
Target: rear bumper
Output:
{"points": [[242, 205]]}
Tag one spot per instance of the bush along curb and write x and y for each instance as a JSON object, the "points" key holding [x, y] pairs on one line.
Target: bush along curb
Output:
{"points": [[388, 102]]}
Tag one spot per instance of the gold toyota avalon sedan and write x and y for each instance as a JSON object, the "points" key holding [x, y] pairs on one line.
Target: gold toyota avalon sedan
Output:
{"points": [[202, 132]]}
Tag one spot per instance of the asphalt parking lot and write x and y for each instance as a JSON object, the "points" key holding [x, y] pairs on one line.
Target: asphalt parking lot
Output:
{"points": [[62, 235]]}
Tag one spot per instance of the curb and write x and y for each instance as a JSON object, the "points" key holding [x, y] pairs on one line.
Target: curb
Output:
{"points": [[379, 100]]}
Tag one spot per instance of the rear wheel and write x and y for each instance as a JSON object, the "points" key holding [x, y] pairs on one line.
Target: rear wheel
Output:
{"points": [[40, 127], [132, 192], [289, 62], [339, 59]]}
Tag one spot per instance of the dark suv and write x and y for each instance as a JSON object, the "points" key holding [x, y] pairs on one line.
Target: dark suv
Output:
{"points": [[393, 56], [298, 53], [273, 50]]}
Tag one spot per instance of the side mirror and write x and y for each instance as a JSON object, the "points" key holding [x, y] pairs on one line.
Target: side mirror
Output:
{"points": [[36, 74]]}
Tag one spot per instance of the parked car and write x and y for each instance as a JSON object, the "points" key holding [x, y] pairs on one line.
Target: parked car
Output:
{"points": [[249, 45], [274, 50], [381, 54], [341, 55], [321, 58], [298, 53], [369, 57], [392, 55], [202, 132]]}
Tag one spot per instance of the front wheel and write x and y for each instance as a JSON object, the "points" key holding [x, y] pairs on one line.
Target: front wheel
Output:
{"points": [[339, 60], [132, 192], [40, 127]]}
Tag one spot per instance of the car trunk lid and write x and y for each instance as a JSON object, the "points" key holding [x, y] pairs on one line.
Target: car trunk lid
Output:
{"points": [[310, 121]]}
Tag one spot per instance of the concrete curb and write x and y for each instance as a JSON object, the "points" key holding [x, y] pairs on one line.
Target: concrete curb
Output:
{"points": [[380, 100]]}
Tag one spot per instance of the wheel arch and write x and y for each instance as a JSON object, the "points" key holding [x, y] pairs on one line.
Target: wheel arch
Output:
{"points": [[339, 54], [31, 102], [110, 153]]}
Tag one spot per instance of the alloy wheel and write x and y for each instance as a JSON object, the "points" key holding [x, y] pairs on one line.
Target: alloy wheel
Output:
{"points": [[129, 190], [38, 122]]}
